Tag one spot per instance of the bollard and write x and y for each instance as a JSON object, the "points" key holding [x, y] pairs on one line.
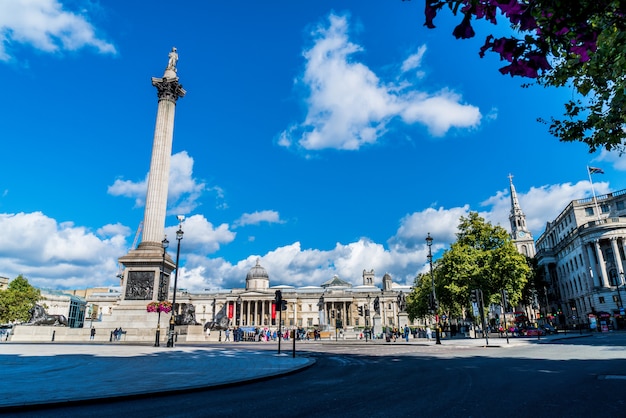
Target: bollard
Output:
{"points": [[53, 331]]}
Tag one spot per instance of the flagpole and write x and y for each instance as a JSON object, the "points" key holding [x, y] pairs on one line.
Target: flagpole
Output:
{"points": [[595, 201]]}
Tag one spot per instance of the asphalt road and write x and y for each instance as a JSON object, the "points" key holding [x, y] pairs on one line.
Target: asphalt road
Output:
{"points": [[583, 377]]}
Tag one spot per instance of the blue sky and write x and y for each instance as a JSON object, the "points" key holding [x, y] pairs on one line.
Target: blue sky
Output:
{"points": [[321, 137]]}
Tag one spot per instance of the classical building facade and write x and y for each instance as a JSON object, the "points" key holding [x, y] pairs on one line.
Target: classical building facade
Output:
{"points": [[582, 256], [333, 305]]}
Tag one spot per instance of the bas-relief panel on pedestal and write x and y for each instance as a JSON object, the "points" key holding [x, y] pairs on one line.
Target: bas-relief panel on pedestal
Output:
{"points": [[140, 285]]}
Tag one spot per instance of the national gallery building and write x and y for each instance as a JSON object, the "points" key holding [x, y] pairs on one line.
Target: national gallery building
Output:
{"points": [[334, 304]]}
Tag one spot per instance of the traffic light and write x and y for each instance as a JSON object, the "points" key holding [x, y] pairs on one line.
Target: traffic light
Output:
{"points": [[283, 305], [474, 296], [360, 309], [332, 313]]}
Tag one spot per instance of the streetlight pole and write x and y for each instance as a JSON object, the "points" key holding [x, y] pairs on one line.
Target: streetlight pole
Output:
{"points": [[368, 329], [619, 295], [237, 332], [179, 236], [157, 339], [435, 307]]}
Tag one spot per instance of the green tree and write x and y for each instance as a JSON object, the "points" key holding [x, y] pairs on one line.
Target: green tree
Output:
{"points": [[483, 257], [16, 301], [417, 300], [576, 43]]}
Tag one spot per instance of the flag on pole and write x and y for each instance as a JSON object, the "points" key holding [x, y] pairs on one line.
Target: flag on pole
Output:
{"points": [[595, 170]]}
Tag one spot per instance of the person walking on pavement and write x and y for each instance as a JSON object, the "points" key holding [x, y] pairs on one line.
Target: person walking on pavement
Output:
{"points": [[227, 334], [429, 333], [93, 333]]}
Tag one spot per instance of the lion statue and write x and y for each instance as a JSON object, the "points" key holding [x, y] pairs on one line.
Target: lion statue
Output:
{"points": [[187, 316], [38, 316], [220, 322]]}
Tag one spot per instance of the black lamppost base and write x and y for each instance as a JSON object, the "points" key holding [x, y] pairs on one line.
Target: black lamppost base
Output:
{"points": [[170, 339], [157, 339]]}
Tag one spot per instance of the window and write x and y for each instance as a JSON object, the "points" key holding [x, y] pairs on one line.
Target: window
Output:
{"points": [[605, 208], [589, 211], [619, 205], [601, 299], [615, 299]]}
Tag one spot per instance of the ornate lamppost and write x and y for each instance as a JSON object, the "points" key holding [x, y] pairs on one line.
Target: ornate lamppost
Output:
{"points": [[179, 236], [165, 243], [435, 304]]}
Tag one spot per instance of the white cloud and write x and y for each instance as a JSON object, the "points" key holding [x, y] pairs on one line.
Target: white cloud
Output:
{"points": [[45, 25], [349, 106], [615, 158], [183, 190], [269, 216], [201, 236], [539, 204], [414, 61], [62, 255], [58, 255]]}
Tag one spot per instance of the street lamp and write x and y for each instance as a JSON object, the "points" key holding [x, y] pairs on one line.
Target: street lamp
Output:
{"points": [[435, 307], [619, 295], [165, 243], [239, 310], [179, 236], [368, 330]]}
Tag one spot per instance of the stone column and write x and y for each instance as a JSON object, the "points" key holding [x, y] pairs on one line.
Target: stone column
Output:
{"points": [[142, 276], [588, 258], [604, 277], [168, 92], [618, 259]]}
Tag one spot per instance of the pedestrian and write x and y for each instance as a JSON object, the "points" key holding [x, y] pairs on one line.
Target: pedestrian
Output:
{"points": [[93, 333], [429, 334], [407, 332], [115, 334], [227, 334]]}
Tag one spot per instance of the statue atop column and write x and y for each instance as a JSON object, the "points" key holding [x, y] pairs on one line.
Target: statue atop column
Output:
{"points": [[173, 60]]}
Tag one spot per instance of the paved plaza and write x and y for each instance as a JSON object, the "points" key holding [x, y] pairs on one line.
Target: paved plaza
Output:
{"points": [[55, 373]]}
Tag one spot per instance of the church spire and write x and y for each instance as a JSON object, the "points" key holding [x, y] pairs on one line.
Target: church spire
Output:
{"points": [[522, 237]]}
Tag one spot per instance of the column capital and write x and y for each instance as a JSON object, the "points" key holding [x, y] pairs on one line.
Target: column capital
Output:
{"points": [[168, 88]]}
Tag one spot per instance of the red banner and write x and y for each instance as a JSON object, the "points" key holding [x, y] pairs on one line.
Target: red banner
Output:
{"points": [[273, 310], [231, 305]]}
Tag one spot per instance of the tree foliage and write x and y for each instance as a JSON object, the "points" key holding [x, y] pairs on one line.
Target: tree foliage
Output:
{"points": [[483, 257], [16, 301], [579, 43]]}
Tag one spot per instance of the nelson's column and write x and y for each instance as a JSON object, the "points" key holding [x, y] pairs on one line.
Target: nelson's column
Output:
{"points": [[148, 267]]}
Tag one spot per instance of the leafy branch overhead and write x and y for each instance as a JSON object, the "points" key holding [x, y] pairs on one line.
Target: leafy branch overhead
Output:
{"points": [[575, 43]]}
